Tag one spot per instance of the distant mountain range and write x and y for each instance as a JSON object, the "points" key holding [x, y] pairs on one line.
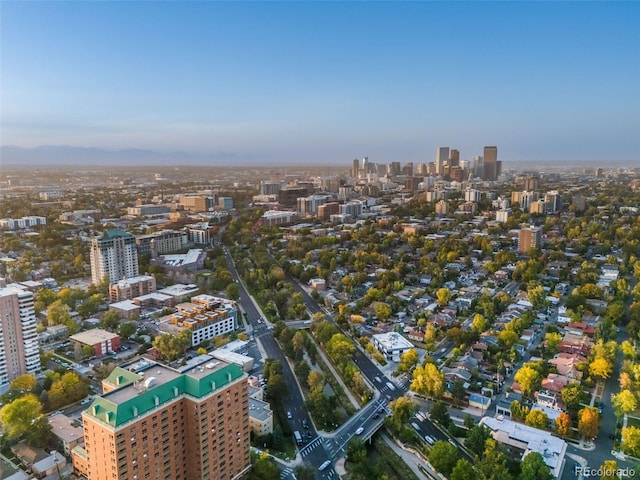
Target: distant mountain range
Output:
{"points": [[68, 155]]}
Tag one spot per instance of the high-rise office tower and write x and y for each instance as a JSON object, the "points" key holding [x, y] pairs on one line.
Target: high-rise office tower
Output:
{"points": [[355, 169], [491, 164], [395, 168], [19, 348], [478, 166], [442, 156], [529, 238], [156, 422], [454, 158], [408, 169], [115, 255]]}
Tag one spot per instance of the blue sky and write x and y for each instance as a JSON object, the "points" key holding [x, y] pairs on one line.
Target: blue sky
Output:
{"points": [[327, 81]]}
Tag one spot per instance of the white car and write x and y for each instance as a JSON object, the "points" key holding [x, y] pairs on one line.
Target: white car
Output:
{"points": [[289, 416], [359, 430]]}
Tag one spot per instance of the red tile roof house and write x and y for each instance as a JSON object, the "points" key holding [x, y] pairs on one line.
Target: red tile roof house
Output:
{"points": [[566, 364], [555, 382]]}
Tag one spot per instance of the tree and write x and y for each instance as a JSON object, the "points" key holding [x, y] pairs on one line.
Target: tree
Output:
{"points": [[407, 360], [443, 456], [356, 451], [552, 340], [628, 350], [537, 296], [40, 432], [304, 472], [537, 419], [600, 368], [508, 338], [624, 402], [233, 291], [382, 311], [90, 306], [443, 295], [476, 439], [571, 396], [315, 380], [563, 424], [340, 348], [173, 347], [440, 414], [402, 409], [631, 440], [127, 329], [534, 468], [528, 379], [110, 320], [23, 384], [17, 417], [428, 381], [277, 388], [69, 388], [479, 323], [264, 468], [609, 470], [588, 422], [463, 471], [58, 314], [493, 464]]}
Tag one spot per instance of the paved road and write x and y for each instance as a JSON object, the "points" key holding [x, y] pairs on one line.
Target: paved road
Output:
{"points": [[389, 390], [294, 401]]}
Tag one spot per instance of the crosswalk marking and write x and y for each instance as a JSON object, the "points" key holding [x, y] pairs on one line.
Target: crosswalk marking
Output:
{"points": [[286, 473]]}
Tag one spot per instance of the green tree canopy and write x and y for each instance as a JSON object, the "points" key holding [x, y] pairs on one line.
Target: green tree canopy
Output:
{"points": [[534, 468], [18, 416]]}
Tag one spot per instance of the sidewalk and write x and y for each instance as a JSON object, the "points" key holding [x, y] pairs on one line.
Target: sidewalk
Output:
{"points": [[410, 457]]}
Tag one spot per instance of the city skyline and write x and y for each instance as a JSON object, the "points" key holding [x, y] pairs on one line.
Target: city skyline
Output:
{"points": [[324, 82]]}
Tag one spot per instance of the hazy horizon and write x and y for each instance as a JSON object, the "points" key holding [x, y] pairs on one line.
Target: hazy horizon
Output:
{"points": [[324, 82]]}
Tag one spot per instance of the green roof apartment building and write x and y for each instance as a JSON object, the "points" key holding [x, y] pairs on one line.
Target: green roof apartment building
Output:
{"points": [[115, 255], [156, 422]]}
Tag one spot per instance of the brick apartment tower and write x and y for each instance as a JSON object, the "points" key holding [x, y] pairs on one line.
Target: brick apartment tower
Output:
{"points": [[529, 238], [154, 422]]}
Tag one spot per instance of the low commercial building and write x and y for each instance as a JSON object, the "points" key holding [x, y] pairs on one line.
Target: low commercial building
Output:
{"points": [[527, 439], [391, 345], [101, 342]]}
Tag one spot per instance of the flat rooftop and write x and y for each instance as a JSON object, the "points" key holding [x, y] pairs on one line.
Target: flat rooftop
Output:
{"points": [[529, 439], [392, 341], [143, 385], [259, 410], [91, 337]]}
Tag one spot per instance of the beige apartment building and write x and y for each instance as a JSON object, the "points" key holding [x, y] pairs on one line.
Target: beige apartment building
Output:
{"points": [[129, 288], [156, 422]]}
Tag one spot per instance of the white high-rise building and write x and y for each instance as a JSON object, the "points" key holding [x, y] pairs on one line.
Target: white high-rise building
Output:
{"points": [[19, 348], [115, 255]]}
